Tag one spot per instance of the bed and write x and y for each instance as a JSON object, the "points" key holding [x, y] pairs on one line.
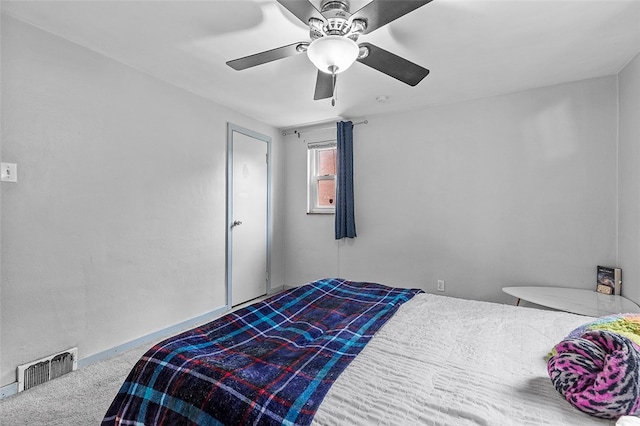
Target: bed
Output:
{"points": [[336, 352]]}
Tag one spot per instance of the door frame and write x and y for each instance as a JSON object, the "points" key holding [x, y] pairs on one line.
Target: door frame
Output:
{"points": [[231, 128]]}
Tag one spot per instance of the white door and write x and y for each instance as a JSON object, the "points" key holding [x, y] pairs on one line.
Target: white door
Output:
{"points": [[248, 217]]}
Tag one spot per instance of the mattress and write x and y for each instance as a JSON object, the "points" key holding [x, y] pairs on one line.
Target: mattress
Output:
{"points": [[447, 361]]}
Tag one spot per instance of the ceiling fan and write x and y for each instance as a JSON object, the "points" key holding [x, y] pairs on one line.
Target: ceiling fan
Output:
{"points": [[333, 48]]}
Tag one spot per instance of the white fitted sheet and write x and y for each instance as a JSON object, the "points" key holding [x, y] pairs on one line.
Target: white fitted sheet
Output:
{"points": [[448, 361]]}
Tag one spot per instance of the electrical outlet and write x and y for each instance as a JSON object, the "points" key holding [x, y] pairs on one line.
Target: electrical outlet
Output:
{"points": [[440, 285]]}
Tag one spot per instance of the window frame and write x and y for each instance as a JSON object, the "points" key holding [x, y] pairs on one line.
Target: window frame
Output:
{"points": [[313, 179]]}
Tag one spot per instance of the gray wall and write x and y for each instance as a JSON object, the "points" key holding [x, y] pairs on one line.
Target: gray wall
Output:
{"points": [[116, 228], [509, 190], [629, 176]]}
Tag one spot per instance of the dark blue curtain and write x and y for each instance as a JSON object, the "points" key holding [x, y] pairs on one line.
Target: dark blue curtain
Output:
{"points": [[345, 217]]}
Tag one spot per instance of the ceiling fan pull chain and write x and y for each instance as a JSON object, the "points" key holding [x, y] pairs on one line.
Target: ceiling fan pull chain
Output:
{"points": [[335, 94]]}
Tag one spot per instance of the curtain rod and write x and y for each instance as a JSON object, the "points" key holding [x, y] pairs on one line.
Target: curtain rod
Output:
{"points": [[299, 132]]}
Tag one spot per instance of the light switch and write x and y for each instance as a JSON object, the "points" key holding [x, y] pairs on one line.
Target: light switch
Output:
{"points": [[8, 172]]}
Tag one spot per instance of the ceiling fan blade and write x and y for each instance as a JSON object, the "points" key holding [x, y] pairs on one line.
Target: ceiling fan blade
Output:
{"points": [[266, 56], [393, 65], [380, 12], [302, 9], [324, 86]]}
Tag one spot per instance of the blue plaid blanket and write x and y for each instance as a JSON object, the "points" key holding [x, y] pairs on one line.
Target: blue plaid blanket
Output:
{"points": [[269, 363]]}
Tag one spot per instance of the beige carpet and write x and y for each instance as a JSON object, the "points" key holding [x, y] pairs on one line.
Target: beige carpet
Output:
{"points": [[80, 398]]}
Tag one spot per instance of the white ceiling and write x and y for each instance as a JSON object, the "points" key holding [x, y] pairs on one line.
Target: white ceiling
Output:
{"points": [[473, 48]]}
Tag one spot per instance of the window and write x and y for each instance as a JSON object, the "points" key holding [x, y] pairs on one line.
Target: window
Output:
{"points": [[321, 192]]}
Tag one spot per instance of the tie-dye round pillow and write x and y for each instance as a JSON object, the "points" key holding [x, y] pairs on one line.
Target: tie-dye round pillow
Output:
{"points": [[598, 372], [627, 325]]}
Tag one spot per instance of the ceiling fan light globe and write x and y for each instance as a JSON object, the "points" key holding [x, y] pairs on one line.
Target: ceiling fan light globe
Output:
{"points": [[333, 54]]}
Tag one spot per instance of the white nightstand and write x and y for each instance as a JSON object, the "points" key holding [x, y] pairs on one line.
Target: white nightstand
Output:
{"points": [[575, 300]]}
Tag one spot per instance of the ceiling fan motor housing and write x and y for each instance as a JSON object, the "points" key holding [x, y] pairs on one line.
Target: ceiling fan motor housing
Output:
{"points": [[337, 14], [338, 21]]}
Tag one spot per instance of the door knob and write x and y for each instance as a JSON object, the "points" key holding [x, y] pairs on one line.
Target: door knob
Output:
{"points": [[236, 223]]}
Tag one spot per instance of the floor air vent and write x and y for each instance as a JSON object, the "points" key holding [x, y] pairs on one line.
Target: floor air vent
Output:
{"points": [[48, 368]]}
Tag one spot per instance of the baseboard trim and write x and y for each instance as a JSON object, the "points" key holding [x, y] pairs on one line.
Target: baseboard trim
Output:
{"points": [[8, 390], [153, 337], [12, 388]]}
